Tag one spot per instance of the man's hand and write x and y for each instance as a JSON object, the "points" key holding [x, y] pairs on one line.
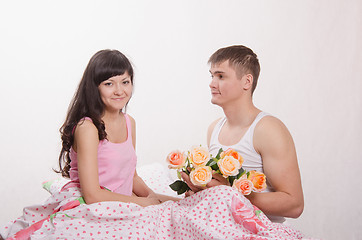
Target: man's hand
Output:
{"points": [[216, 180], [194, 188]]}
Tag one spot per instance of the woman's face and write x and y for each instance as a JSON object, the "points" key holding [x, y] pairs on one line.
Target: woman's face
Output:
{"points": [[116, 91]]}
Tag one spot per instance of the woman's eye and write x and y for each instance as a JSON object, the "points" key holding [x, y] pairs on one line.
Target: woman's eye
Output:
{"points": [[126, 82], [108, 84]]}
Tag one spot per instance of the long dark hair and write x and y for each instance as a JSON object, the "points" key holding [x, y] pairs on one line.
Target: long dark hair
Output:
{"points": [[87, 101]]}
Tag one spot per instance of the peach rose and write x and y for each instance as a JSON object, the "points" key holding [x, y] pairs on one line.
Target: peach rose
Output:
{"points": [[200, 176], [234, 154], [176, 159], [243, 185], [199, 156], [229, 166], [258, 179]]}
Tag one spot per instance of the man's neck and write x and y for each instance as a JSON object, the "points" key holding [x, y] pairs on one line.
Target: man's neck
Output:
{"points": [[240, 115]]}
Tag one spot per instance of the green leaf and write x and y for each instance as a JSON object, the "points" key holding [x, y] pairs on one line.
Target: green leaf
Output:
{"points": [[215, 167], [218, 154], [184, 188], [47, 185], [241, 173], [187, 165], [179, 186], [209, 162], [81, 200], [213, 164], [176, 185], [257, 213], [179, 175], [231, 179]]}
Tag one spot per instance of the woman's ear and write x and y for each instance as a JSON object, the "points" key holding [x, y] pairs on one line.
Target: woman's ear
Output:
{"points": [[247, 81]]}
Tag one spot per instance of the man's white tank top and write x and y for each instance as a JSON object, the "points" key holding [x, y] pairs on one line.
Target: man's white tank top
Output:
{"points": [[252, 159]]}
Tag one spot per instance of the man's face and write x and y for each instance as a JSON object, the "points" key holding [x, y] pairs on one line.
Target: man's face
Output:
{"points": [[225, 86]]}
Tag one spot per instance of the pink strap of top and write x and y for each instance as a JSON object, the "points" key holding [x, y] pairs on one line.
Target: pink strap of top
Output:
{"points": [[116, 164], [85, 118]]}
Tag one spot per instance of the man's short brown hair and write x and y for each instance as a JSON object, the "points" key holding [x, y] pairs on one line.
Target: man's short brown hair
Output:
{"points": [[241, 58]]}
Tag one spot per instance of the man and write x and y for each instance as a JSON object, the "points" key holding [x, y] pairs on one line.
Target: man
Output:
{"points": [[263, 140]]}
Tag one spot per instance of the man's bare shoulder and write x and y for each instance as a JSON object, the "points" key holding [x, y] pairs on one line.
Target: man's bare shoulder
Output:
{"points": [[271, 131], [213, 124], [270, 123], [211, 129]]}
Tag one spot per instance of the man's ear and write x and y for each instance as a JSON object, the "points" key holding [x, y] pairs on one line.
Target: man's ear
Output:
{"points": [[248, 81]]}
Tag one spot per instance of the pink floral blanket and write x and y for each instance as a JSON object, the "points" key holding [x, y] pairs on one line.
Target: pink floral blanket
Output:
{"points": [[215, 213]]}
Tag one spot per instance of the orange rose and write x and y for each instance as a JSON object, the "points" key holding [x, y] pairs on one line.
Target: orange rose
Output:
{"points": [[229, 166], [231, 152], [258, 179], [201, 176], [243, 185], [199, 156], [176, 159]]}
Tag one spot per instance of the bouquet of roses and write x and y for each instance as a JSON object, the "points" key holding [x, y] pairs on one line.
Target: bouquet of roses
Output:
{"points": [[200, 166]]}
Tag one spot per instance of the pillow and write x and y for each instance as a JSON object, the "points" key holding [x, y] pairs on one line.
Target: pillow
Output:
{"points": [[55, 185], [156, 175]]}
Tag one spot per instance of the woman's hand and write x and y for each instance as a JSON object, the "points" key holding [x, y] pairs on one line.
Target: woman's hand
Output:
{"points": [[147, 201], [163, 198]]}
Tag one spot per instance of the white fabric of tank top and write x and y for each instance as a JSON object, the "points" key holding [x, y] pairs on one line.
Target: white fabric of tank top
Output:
{"points": [[252, 159]]}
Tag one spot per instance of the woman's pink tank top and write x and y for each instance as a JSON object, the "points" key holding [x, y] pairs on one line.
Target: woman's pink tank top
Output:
{"points": [[116, 164]]}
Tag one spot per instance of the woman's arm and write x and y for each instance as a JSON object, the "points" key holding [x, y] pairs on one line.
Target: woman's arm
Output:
{"points": [[140, 188], [86, 145]]}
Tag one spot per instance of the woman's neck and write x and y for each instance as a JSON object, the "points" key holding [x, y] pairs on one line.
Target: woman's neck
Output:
{"points": [[111, 116]]}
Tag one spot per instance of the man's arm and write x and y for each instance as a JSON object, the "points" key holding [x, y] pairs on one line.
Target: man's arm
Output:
{"points": [[274, 143]]}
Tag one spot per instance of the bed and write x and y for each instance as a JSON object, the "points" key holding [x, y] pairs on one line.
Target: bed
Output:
{"points": [[215, 213]]}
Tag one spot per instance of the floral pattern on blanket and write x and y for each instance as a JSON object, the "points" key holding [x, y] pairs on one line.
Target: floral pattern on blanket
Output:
{"points": [[216, 213]]}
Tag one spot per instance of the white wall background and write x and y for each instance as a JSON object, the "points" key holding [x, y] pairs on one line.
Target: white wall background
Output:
{"points": [[311, 60]]}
